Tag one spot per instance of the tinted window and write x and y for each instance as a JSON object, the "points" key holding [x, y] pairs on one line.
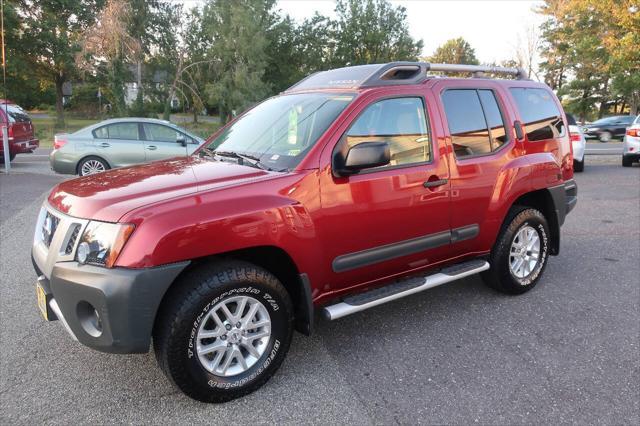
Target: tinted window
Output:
{"points": [[539, 112], [467, 125], [494, 118], [400, 122], [118, 131], [159, 133], [16, 114]]}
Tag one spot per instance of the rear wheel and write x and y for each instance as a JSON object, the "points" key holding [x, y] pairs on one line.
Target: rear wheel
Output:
{"points": [[626, 161], [224, 331], [92, 165], [520, 254]]}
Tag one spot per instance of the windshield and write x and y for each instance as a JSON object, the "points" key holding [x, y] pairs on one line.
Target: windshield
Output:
{"points": [[279, 132]]}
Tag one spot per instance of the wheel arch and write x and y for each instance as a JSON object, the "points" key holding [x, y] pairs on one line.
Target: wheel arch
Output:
{"points": [[279, 263], [544, 201]]}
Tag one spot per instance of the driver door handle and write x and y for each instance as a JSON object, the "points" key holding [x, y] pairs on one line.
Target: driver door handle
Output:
{"points": [[435, 183], [152, 147]]}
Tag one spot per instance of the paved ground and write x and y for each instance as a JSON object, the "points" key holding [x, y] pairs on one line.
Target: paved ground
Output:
{"points": [[567, 352]]}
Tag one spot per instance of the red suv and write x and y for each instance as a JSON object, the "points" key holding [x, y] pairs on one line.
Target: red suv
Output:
{"points": [[20, 129], [355, 187]]}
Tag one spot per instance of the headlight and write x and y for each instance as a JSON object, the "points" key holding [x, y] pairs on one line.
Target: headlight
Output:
{"points": [[102, 242]]}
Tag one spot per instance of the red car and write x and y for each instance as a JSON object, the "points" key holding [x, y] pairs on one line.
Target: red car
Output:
{"points": [[20, 129], [355, 187]]}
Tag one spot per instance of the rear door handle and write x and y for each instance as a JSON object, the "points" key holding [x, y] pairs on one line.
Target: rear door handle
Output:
{"points": [[105, 145], [152, 147], [435, 183]]}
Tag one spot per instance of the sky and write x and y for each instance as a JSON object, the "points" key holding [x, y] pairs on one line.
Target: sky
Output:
{"points": [[493, 28]]}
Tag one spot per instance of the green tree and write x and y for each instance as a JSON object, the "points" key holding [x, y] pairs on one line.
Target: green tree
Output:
{"points": [[455, 51], [239, 52], [49, 39], [372, 31]]}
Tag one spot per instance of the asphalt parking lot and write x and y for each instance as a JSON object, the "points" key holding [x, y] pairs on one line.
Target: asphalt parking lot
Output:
{"points": [[566, 352]]}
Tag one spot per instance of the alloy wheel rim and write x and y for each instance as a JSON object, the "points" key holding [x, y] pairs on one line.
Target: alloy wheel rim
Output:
{"points": [[92, 166], [233, 335], [525, 252]]}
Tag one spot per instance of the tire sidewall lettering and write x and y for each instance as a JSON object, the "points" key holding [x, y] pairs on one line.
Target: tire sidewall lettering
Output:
{"points": [[542, 234], [212, 381]]}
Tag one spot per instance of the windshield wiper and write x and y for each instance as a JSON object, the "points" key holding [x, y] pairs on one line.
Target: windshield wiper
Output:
{"points": [[243, 158]]}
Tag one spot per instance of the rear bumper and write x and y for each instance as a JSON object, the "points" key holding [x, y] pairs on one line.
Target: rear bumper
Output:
{"points": [[125, 300], [62, 162], [26, 146]]}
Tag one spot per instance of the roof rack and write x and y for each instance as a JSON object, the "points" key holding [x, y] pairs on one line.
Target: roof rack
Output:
{"points": [[392, 74]]}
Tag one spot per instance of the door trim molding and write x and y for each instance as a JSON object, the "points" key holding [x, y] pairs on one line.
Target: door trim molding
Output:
{"points": [[359, 259]]}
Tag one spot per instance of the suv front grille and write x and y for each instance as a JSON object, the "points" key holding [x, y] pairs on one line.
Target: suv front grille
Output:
{"points": [[72, 239], [49, 228]]}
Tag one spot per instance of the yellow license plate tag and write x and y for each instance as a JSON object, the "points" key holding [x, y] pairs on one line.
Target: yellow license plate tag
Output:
{"points": [[42, 301]]}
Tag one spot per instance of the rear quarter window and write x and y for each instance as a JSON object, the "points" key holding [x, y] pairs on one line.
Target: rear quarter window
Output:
{"points": [[540, 114]]}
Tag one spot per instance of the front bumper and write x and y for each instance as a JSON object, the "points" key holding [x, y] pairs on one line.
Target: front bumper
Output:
{"points": [[123, 302]]}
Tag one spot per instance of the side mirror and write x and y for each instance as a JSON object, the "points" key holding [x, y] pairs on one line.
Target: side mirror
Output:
{"points": [[181, 140], [365, 155]]}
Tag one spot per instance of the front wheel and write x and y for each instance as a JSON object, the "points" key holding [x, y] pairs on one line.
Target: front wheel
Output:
{"points": [[520, 254], [224, 330]]}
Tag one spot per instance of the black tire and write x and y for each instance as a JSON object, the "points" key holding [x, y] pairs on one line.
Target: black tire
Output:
{"points": [[85, 160], [578, 166], [500, 276], [185, 306], [626, 161]]}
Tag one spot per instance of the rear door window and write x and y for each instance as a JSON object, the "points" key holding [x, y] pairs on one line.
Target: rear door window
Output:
{"points": [[540, 114], [475, 121], [118, 131]]}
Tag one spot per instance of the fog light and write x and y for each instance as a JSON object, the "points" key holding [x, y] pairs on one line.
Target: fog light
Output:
{"points": [[89, 319], [83, 252]]}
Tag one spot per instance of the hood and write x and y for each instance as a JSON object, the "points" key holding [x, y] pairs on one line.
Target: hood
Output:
{"points": [[108, 196]]}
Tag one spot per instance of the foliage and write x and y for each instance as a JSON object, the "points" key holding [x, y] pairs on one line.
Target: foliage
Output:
{"points": [[455, 51], [49, 46], [590, 54]]}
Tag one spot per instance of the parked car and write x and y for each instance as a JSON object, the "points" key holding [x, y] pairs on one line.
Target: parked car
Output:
{"points": [[355, 187], [19, 128], [631, 147], [118, 143], [608, 128], [578, 143]]}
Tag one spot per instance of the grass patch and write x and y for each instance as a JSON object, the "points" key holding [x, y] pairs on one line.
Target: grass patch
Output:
{"points": [[46, 128]]}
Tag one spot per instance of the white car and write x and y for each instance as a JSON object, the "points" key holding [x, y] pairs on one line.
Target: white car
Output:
{"points": [[578, 142], [631, 145]]}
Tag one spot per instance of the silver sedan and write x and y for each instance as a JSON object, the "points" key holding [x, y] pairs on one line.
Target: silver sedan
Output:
{"points": [[118, 143]]}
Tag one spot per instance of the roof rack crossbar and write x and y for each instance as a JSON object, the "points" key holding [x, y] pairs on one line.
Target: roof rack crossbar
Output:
{"points": [[519, 73]]}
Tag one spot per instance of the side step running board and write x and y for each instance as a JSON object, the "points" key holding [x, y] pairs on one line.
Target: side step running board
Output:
{"points": [[402, 288]]}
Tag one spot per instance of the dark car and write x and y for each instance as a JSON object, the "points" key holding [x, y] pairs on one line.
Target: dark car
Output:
{"points": [[19, 128], [353, 188], [608, 128]]}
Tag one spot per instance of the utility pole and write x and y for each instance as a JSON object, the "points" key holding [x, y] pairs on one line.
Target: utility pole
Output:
{"points": [[5, 130]]}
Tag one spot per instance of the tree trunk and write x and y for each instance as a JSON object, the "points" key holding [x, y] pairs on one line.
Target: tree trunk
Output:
{"points": [[59, 102], [195, 114]]}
